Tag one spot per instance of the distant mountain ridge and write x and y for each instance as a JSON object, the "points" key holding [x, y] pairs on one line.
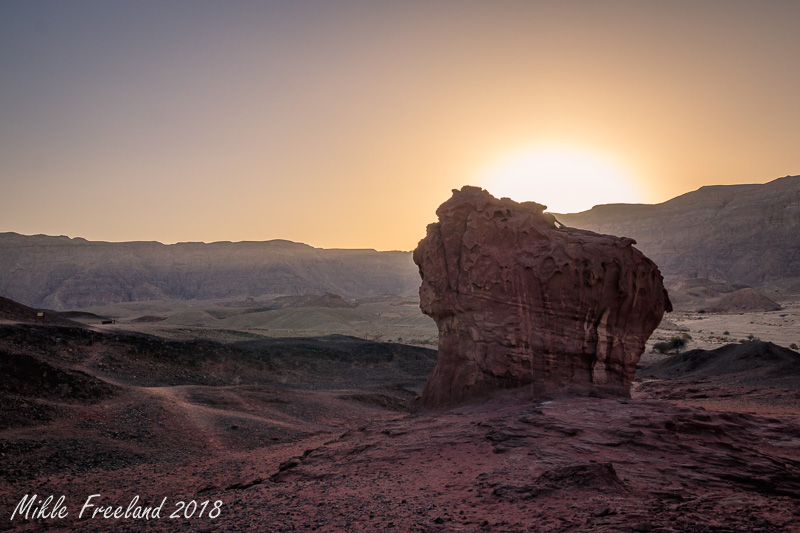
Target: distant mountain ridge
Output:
{"points": [[736, 234], [748, 234], [69, 273]]}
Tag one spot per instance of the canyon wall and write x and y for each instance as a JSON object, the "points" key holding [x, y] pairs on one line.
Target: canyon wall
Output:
{"points": [[746, 234], [64, 273]]}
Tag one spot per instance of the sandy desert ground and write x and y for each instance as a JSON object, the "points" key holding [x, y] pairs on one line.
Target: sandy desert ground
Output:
{"points": [[391, 319], [400, 320]]}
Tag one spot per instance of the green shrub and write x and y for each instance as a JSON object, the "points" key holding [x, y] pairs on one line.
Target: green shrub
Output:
{"points": [[677, 343], [726, 332], [793, 346], [674, 345], [662, 347]]}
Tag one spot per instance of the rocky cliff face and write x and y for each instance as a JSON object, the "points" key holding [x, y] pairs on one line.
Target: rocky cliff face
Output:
{"points": [[730, 233], [64, 273], [520, 301]]}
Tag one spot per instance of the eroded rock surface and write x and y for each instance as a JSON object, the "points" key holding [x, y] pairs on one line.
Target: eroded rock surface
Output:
{"points": [[521, 300]]}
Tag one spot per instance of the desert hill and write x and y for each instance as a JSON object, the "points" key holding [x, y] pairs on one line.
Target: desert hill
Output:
{"points": [[740, 234], [16, 312], [744, 300], [65, 273], [752, 362]]}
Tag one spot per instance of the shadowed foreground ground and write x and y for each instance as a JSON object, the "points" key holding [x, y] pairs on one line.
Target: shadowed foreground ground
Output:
{"points": [[312, 434]]}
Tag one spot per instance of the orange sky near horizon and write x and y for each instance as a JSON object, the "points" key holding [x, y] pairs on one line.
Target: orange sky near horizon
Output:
{"points": [[344, 124]]}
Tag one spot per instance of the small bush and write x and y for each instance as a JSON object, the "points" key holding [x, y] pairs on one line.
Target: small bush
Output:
{"points": [[726, 332], [675, 345], [793, 346], [661, 347], [678, 343]]}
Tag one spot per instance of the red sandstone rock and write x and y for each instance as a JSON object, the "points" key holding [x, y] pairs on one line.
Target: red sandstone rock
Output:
{"points": [[521, 300]]}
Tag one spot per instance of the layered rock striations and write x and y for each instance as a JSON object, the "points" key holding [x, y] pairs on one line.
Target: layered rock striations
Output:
{"points": [[521, 300], [740, 234], [63, 273]]}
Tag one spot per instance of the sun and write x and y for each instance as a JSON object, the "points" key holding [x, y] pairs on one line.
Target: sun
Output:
{"points": [[565, 179]]}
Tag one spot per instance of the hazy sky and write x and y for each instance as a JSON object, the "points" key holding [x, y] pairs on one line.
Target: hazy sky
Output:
{"points": [[346, 123]]}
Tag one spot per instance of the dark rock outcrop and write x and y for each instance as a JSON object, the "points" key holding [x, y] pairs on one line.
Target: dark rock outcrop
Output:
{"points": [[752, 362], [521, 300]]}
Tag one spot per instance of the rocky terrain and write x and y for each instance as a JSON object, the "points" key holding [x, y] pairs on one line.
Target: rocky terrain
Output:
{"points": [[315, 434], [520, 300], [739, 234], [62, 273], [77, 403]]}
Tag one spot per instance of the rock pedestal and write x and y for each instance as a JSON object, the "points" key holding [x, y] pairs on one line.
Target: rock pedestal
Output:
{"points": [[521, 300]]}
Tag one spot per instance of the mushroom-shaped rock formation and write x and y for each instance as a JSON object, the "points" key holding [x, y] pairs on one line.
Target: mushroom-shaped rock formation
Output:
{"points": [[523, 301]]}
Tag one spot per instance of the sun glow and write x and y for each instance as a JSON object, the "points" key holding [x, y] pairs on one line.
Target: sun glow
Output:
{"points": [[565, 179]]}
